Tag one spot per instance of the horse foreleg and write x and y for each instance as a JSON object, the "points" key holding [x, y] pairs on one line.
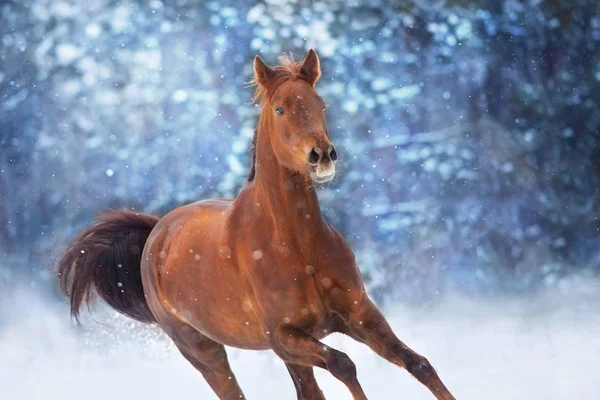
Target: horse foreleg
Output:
{"points": [[370, 327], [296, 347], [307, 387]]}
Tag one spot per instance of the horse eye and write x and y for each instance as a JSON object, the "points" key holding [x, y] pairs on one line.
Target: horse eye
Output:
{"points": [[324, 107], [279, 111]]}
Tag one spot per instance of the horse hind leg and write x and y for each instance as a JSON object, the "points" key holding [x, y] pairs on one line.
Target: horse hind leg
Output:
{"points": [[216, 370], [307, 387], [208, 357]]}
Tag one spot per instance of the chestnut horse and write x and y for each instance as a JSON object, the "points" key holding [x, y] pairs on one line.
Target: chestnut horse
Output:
{"points": [[262, 271]]}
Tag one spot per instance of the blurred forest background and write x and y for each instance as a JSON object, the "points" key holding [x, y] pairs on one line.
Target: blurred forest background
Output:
{"points": [[468, 131]]}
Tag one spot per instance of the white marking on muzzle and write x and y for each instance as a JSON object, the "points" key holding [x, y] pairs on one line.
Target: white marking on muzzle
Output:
{"points": [[324, 172]]}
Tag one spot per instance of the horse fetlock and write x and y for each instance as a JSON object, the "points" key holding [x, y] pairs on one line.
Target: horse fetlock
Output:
{"points": [[420, 368]]}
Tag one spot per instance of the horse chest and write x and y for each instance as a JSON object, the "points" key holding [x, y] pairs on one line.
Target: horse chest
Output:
{"points": [[306, 294]]}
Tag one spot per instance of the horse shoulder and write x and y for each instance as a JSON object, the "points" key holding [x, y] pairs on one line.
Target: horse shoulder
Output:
{"points": [[339, 278]]}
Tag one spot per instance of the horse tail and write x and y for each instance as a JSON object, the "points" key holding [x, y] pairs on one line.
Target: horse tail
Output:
{"points": [[106, 258]]}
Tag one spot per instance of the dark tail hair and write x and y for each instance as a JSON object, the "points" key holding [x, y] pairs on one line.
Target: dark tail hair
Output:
{"points": [[106, 257]]}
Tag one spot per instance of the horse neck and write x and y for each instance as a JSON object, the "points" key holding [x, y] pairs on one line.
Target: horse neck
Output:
{"points": [[287, 199]]}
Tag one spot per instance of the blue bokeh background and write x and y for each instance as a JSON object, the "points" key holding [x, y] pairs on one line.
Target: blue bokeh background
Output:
{"points": [[467, 130]]}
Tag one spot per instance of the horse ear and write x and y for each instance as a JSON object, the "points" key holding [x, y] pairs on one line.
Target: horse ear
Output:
{"points": [[262, 72], [311, 67]]}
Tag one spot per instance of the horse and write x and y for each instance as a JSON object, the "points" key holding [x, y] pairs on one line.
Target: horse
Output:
{"points": [[261, 271]]}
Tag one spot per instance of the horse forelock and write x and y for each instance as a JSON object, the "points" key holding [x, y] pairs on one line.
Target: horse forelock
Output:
{"points": [[289, 70]]}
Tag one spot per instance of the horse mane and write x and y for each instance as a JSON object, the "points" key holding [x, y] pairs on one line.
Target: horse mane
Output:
{"points": [[289, 70], [252, 151]]}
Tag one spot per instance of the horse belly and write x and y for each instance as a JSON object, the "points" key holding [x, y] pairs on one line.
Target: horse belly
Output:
{"points": [[218, 309]]}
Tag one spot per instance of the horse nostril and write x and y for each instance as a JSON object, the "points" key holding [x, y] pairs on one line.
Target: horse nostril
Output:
{"points": [[333, 154], [313, 157]]}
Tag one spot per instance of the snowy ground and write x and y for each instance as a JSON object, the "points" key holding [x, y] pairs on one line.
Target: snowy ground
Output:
{"points": [[542, 347]]}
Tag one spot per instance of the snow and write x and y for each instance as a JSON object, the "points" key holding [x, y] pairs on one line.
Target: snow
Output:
{"points": [[236, 167], [179, 96], [405, 92], [257, 254], [539, 347], [63, 9], [93, 30], [255, 13], [482, 158], [350, 106], [67, 53]]}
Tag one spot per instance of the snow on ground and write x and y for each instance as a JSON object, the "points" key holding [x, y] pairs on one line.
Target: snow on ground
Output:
{"points": [[542, 347]]}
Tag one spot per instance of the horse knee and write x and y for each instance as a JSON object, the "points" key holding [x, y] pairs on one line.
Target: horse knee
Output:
{"points": [[341, 366]]}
